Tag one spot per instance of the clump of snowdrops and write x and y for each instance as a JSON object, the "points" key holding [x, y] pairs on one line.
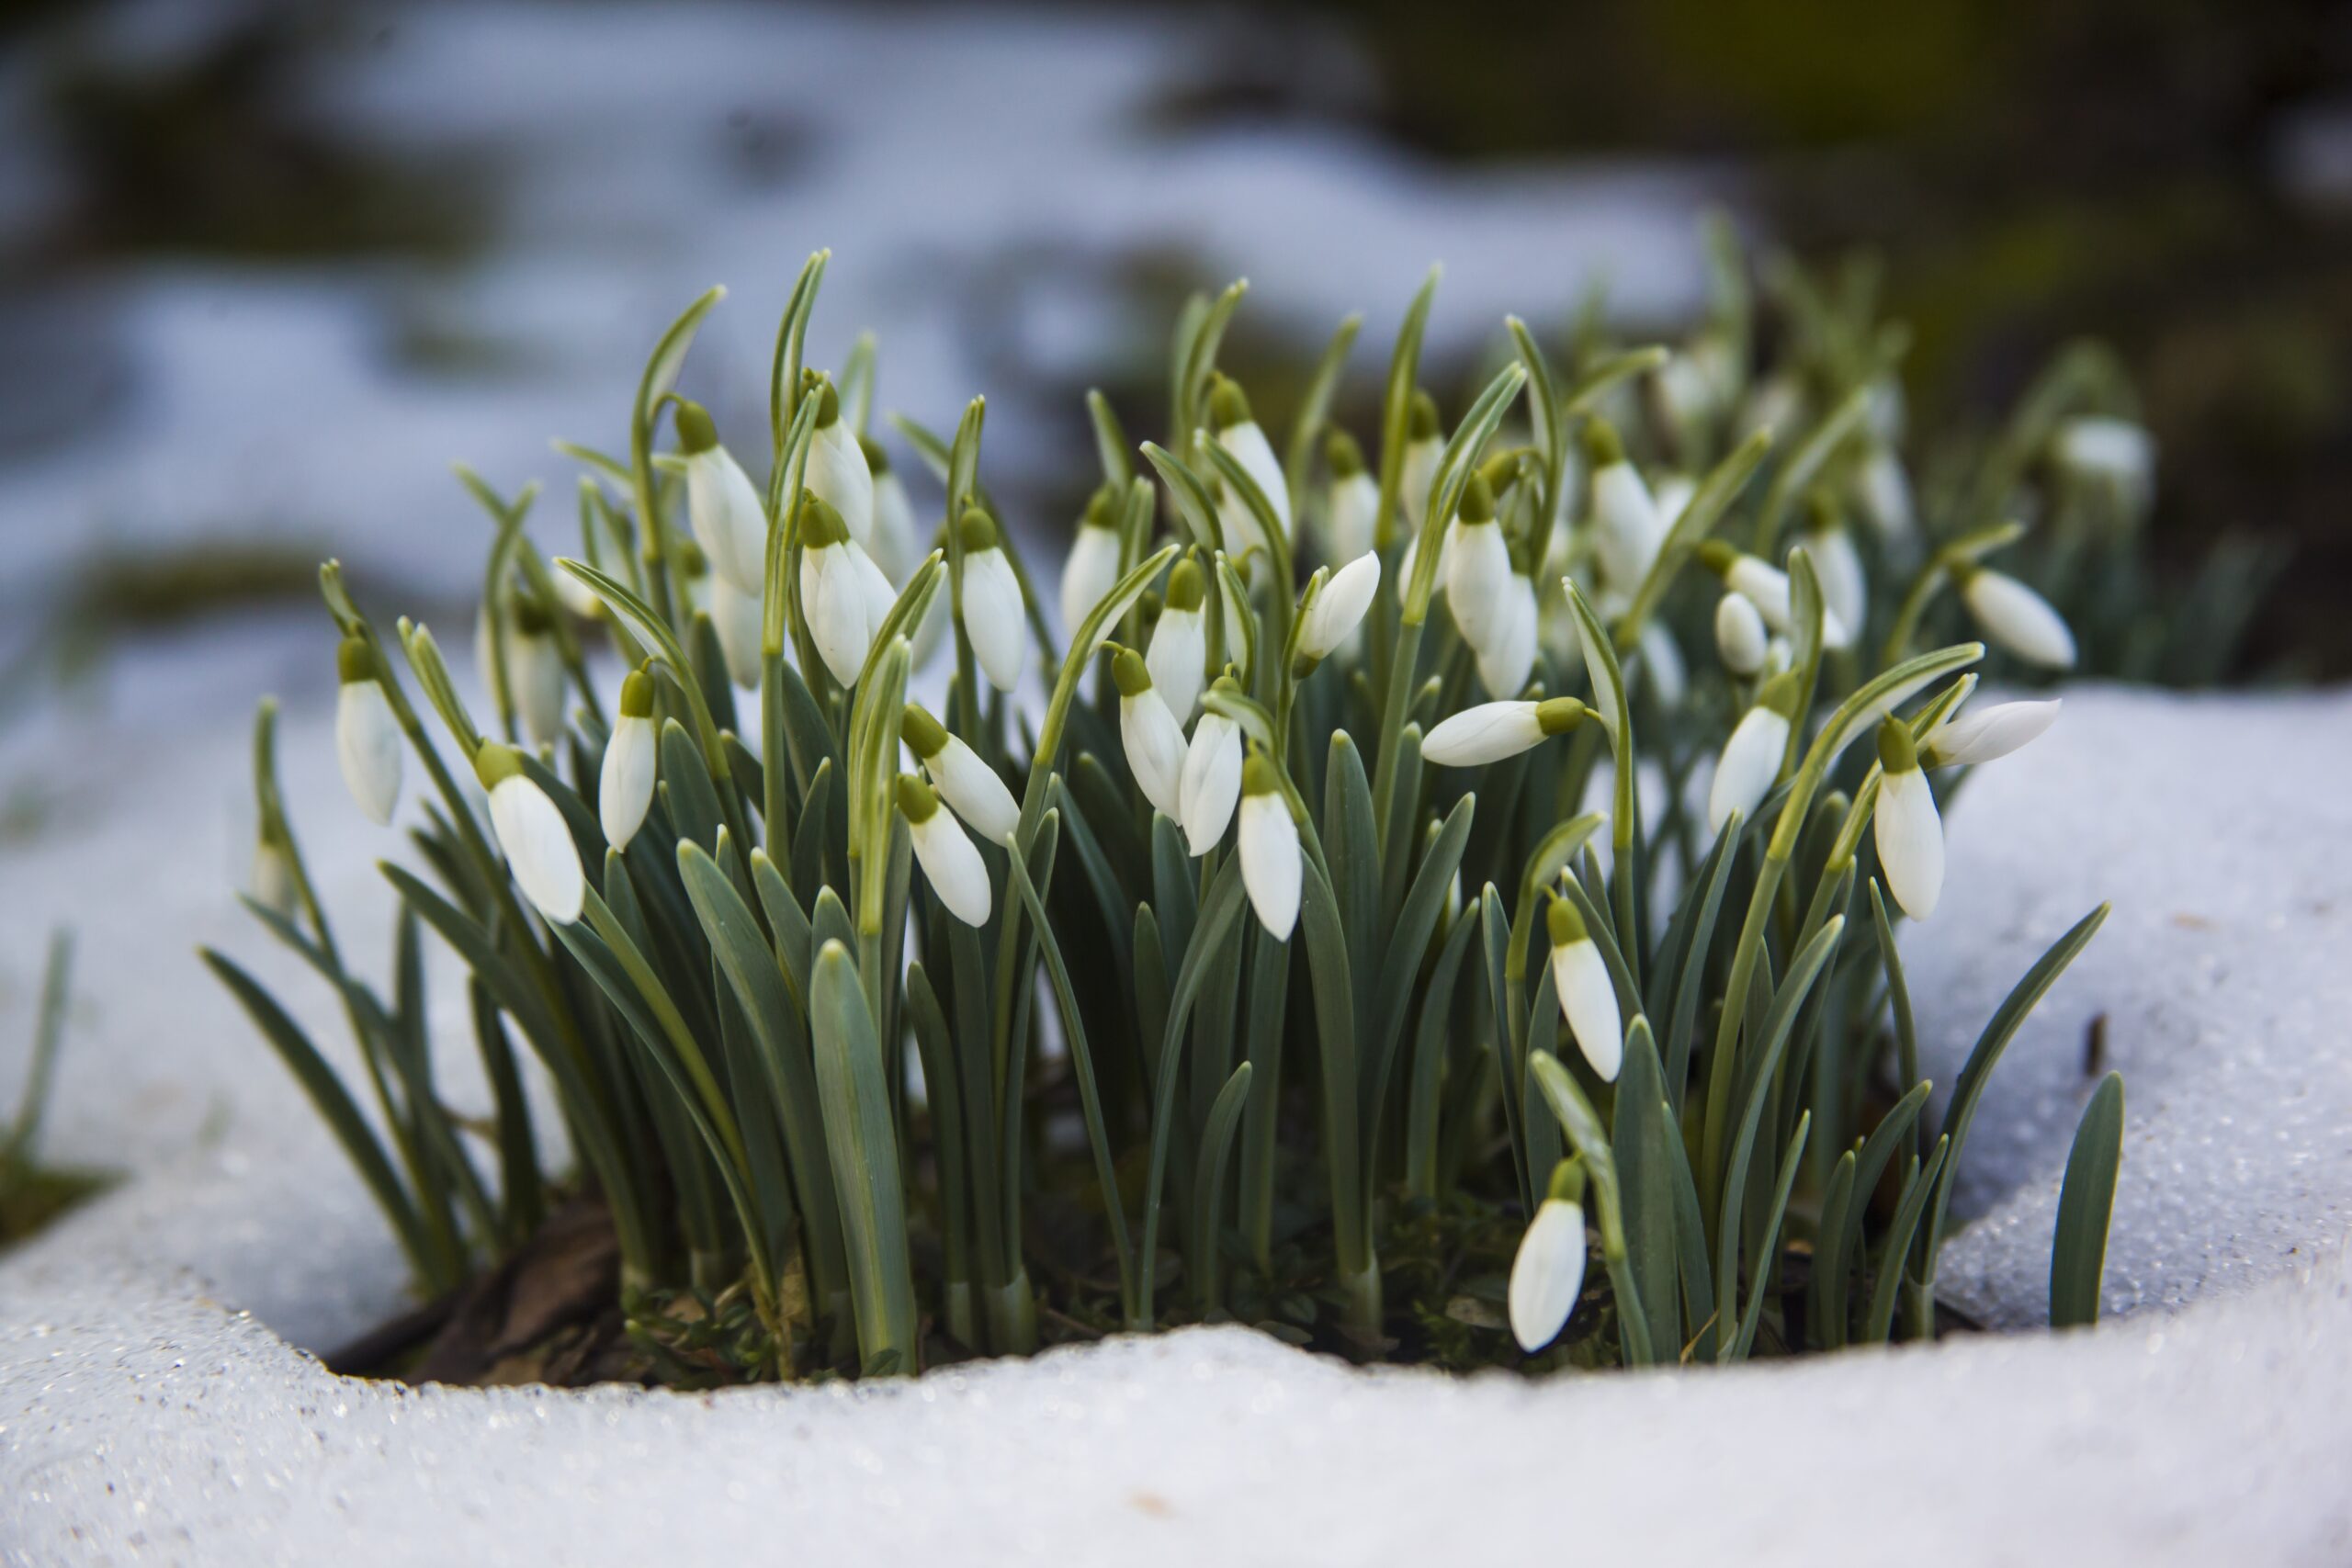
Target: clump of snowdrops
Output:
{"points": [[1382, 871]]}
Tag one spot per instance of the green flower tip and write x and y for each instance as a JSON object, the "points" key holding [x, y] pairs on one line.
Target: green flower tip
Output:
{"points": [[1421, 424], [976, 530], [637, 695], [1339, 451], [924, 733], [1717, 555], [1500, 471], [917, 800], [1477, 501], [495, 762], [820, 525], [353, 661], [691, 559], [1896, 753], [1184, 586], [1822, 515], [1102, 509], [1779, 694], [877, 461], [1258, 775], [696, 431], [1557, 715], [1227, 405], [1565, 921], [1226, 683], [531, 617], [1602, 444], [818, 385], [1128, 670], [1567, 1180]]}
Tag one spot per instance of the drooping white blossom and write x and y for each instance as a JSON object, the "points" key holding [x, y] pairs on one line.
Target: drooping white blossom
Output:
{"points": [[898, 542], [837, 471], [835, 594], [969, 786], [532, 835], [1091, 569], [1245, 443], [366, 737], [1477, 569], [1910, 834], [736, 618], [949, 861], [1154, 741], [535, 670], [1989, 733], [722, 505], [1332, 619], [1424, 445], [2015, 617], [1492, 731], [1588, 996], [1837, 566], [1547, 1274], [625, 784], [1741, 636], [1211, 782], [994, 615], [1354, 515], [1269, 849], [1179, 655], [1627, 529], [1506, 653], [1767, 587], [1751, 757]]}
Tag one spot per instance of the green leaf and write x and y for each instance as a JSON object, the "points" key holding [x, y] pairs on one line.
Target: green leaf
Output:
{"points": [[1922, 1183], [1767, 1265], [1396, 407], [1314, 410], [1208, 1186], [2078, 1249], [1642, 1136], [864, 1148]]}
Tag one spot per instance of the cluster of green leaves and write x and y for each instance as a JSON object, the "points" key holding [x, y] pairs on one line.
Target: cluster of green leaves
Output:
{"points": [[860, 1135]]}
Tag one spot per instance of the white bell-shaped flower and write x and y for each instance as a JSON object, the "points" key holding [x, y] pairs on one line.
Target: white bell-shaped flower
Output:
{"points": [[1837, 567], [1424, 445], [1751, 757], [1492, 731], [1179, 655], [1547, 1275], [722, 505], [949, 861], [1910, 835], [2104, 450], [632, 761], [366, 737], [535, 670], [1627, 527], [1340, 607], [834, 594], [1741, 636], [1662, 660], [1881, 492], [1987, 734], [969, 786], [1767, 586], [1153, 740], [1507, 652], [1092, 567], [1211, 782], [1269, 848], [2015, 617], [1588, 996], [271, 882], [1245, 443], [532, 835], [837, 470], [1479, 568], [577, 598], [736, 618], [1355, 518], [898, 541], [994, 616]]}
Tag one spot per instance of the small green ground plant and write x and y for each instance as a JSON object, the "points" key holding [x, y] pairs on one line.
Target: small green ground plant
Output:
{"points": [[33, 1191], [1394, 880]]}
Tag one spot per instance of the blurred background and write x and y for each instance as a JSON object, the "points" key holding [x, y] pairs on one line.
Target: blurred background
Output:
{"points": [[266, 270]]}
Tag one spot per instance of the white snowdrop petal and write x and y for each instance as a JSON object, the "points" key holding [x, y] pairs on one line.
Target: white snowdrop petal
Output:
{"points": [[1355, 511], [1838, 563], [1627, 529], [833, 599], [2018, 619], [625, 783], [1910, 841], [736, 618], [1662, 657], [538, 848], [1765, 587], [1588, 1001], [993, 617], [1155, 748], [1751, 760], [973, 791], [1547, 1275], [1487, 733], [728, 520], [368, 745], [1992, 733], [535, 670], [1178, 659], [1211, 783], [1883, 491], [1418, 473], [1475, 576], [838, 473], [1507, 657], [1346, 595], [1089, 574], [1269, 864], [1246, 443], [1740, 638], [953, 866], [272, 884]]}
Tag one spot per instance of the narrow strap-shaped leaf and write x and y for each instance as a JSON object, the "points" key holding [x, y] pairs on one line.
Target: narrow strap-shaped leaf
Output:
{"points": [[1425, 1075], [1209, 1188], [863, 1145], [1640, 1134], [2078, 1249], [1916, 1193], [1771, 1243], [1314, 409], [1828, 1312], [1407, 945]]}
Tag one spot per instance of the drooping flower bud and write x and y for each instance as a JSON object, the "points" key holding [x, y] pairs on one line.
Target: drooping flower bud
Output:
{"points": [[1269, 848], [1506, 650], [1332, 619], [1741, 636], [1092, 569], [535, 669], [1153, 740], [736, 618], [1837, 565], [2015, 617], [949, 861], [366, 737], [1910, 834], [1989, 734], [1178, 658], [969, 786], [1211, 782], [1767, 587], [1493, 731], [994, 616], [730, 523], [1751, 757], [1627, 528], [1246, 443], [1587, 996], [1424, 445], [1479, 568], [625, 784], [1547, 1274], [837, 470], [834, 594], [1355, 498], [531, 834]]}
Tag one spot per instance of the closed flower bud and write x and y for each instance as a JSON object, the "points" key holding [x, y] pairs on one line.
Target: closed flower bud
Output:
{"points": [[1247, 444], [994, 617], [625, 785], [1493, 731], [272, 883], [1211, 782], [1739, 633], [1910, 835], [1506, 650], [1479, 567], [1355, 498], [1751, 759], [1989, 733], [2015, 617], [1092, 569], [1883, 495], [835, 594], [1547, 1275], [949, 863], [736, 618], [730, 523], [1153, 740], [366, 737], [898, 543], [1662, 660], [1838, 565], [1587, 996], [1767, 587], [532, 835], [1269, 848], [1338, 609], [535, 670], [2097, 449], [1424, 445], [969, 786], [1179, 655], [837, 470], [1627, 529]]}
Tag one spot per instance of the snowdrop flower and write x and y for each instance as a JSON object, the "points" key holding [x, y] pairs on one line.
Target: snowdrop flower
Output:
{"points": [[1506, 653], [1346, 595], [969, 786], [1479, 567], [577, 597], [531, 834], [1092, 569], [730, 523], [1910, 835], [2106, 450], [367, 738], [1179, 656], [2016, 618], [1211, 782], [736, 618], [1243, 441], [1751, 757], [949, 861], [625, 785], [1493, 731], [1547, 1275], [1626, 527], [1424, 445], [834, 594], [994, 615], [272, 883], [1231, 611], [837, 470], [1883, 495], [1355, 498], [1838, 565], [1269, 846], [1739, 633], [1588, 996], [898, 544], [1154, 741], [1767, 586], [1992, 733], [1662, 656], [535, 670]]}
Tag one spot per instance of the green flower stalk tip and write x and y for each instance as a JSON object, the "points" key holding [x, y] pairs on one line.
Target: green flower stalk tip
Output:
{"points": [[1185, 590], [637, 694], [1227, 405], [917, 800], [1718, 555], [697, 431], [1270, 866], [1127, 669], [1345, 457], [1565, 924], [353, 661], [1603, 447], [818, 385], [1896, 753]]}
